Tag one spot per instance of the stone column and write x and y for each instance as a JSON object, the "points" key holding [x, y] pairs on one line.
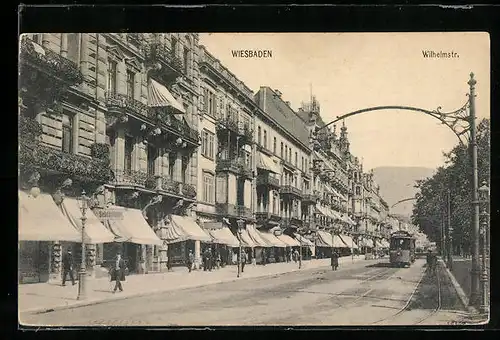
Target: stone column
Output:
{"points": [[121, 78], [119, 153], [64, 45], [178, 167], [197, 254]]}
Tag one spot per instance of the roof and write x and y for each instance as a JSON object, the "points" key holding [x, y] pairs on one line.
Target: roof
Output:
{"points": [[279, 111]]}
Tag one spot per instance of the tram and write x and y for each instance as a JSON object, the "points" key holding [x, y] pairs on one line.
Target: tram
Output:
{"points": [[402, 249]]}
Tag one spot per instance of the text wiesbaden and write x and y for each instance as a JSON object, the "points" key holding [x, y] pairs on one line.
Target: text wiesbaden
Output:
{"points": [[252, 53]]}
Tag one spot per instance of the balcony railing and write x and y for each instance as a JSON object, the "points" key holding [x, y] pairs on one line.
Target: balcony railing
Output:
{"points": [[34, 155], [50, 62], [310, 198], [235, 211], [158, 52], [228, 123], [237, 166], [290, 190], [268, 180], [121, 102], [265, 216], [179, 127]]}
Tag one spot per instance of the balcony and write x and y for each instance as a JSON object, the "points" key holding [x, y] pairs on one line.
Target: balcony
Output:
{"points": [[268, 181], [291, 191], [44, 74], [120, 104], [166, 65], [228, 124], [265, 216], [246, 133], [236, 166], [310, 198], [292, 221], [36, 156], [233, 211], [287, 164]]}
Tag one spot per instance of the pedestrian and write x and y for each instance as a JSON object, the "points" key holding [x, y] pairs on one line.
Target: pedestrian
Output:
{"points": [[335, 260], [243, 260], [118, 272], [205, 260], [295, 255], [67, 264], [190, 261], [218, 259], [210, 259]]}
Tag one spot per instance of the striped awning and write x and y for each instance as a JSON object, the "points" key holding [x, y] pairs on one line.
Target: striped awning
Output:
{"points": [[266, 163], [303, 241], [349, 241], [160, 96], [257, 239]]}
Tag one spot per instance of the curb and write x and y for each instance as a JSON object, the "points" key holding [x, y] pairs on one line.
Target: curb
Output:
{"points": [[44, 310], [460, 292]]}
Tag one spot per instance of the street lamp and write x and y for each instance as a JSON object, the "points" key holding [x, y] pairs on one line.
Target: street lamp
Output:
{"points": [[241, 225], [82, 274], [301, 233], [484, 192]]}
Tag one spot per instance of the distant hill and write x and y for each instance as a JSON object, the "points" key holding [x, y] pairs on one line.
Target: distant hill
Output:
{"points": [[398, 183]]}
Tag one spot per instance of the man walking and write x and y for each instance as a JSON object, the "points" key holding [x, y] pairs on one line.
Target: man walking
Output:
{"points": [[335, 260], [118, 272], [190, 260], [243, 260], [67, 264]]}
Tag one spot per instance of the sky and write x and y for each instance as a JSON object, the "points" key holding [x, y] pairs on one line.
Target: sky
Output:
{"points": [[351, 71]]}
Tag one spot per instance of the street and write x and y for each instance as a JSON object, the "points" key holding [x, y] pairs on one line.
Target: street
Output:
{"points": [[363, 294]]}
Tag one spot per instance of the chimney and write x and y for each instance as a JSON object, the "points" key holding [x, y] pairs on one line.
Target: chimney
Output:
{"points": [[278, 93], [287, 103]]}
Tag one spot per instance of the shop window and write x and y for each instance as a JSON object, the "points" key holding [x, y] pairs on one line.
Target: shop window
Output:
{"points": [[67, 133]]}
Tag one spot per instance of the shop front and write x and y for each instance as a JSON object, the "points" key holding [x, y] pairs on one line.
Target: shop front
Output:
{"points": [[326, 242], [307, 244], [132, 237], [41, 227], [277, 252], [262, 248], [348, 241], [291, 245], [224, 242], [182, 234]]}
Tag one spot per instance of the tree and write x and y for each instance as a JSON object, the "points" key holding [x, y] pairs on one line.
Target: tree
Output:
{"points": [[454, 177]]}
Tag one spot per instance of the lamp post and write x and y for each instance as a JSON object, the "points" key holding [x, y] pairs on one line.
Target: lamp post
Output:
{"points": [[484, 199], [301, 233], [241, 224], [82, 274]]}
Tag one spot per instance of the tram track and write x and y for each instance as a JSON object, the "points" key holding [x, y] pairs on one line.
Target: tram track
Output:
{"points": [[409, 300]]}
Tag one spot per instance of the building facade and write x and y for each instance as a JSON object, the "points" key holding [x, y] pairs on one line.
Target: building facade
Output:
{"points": [[175, 154]]}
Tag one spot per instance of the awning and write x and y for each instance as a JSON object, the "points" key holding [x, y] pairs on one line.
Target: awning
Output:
{"points": [[365, 243], [160, 96], [325, 239], [266, 163], [321, 210], [256, 237], [303, 241], [273, 240], [333, 214], [41, 220], [246, 240], [349, 241], [95, 231], [290, 242], [191, 229], [133, 228], [224, 236]]}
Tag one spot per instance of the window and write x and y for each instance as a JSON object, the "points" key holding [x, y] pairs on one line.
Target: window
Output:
{"points": [[184, 167], [296, 159], [172, 157], [112, 77], [207, 144], [303, 164], [67, 133], [130, 84], [210, 103], [259, 137], [358, 191], [208, 188], [186, 60], [73, 40], [173, 46], [290, 155], [274, 145], [152, 155], [286, 153], [129, 148], [281, 154], [265, 139]]}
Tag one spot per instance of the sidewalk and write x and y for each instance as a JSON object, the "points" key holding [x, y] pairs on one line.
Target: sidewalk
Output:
{"points": [[461, 271], [42, 297]]}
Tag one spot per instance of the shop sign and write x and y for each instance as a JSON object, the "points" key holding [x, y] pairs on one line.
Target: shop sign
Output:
{"points": [[109, 214]]}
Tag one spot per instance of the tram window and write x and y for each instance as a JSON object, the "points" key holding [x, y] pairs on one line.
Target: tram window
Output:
{"points": [[400, 243]]}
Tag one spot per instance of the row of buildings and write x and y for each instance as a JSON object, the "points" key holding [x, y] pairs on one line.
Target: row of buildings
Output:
{"points": [[174, 154]]}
